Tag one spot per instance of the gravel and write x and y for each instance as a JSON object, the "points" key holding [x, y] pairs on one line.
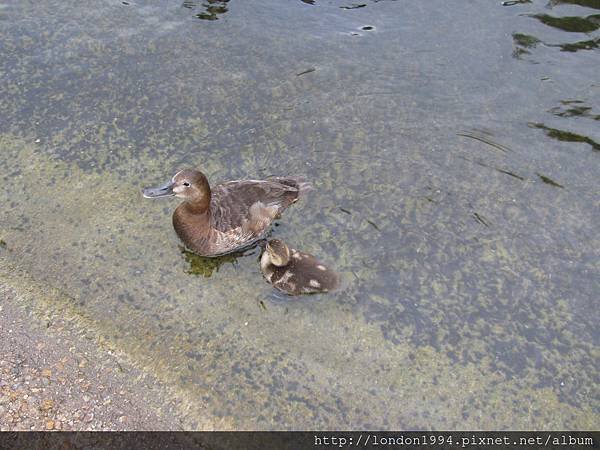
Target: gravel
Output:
{"points": [[59, 380]]}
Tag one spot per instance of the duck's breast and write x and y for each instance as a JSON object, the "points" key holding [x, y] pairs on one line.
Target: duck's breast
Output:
{"points": [[194, 230]]}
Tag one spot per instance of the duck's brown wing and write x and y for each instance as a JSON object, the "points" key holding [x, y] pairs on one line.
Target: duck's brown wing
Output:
{"points": [[237, 203]]}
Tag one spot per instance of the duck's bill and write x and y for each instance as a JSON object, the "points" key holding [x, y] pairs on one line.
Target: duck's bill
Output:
{"points": [[160, 191]]}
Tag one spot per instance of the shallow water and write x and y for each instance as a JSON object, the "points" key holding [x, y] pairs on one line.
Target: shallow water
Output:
{"points": [[455, 151]]}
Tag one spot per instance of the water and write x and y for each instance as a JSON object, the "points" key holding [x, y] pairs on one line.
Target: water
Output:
{"points": [[454, 147]]}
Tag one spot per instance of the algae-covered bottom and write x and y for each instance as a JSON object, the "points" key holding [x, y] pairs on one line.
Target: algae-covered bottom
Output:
{"points": [[453, 149]]}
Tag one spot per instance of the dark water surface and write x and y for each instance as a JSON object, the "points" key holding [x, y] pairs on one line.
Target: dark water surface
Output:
{"points": [[455, 151]]}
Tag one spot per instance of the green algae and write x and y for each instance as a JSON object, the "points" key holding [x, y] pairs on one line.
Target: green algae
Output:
{"points": [[49, 304], [201, 265], [188, 341]]}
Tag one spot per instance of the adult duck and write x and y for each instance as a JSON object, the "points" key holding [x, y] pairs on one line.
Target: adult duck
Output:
{"points": [[229, 217]]}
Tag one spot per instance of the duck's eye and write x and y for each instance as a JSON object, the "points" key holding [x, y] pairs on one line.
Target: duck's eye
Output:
{"points": [[186, 184]]}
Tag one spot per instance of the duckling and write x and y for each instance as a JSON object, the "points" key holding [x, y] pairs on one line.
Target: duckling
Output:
{"points": [[295, 272], [229, 217]]}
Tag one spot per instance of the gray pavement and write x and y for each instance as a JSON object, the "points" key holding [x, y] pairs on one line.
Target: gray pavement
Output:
{"points": [[54, 377]]}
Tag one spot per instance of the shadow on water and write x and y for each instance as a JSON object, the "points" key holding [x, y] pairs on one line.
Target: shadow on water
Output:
{"points": [[202, 265]]}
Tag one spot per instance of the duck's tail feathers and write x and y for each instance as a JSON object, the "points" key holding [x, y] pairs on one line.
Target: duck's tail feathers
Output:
{"points": [[297, 182]]}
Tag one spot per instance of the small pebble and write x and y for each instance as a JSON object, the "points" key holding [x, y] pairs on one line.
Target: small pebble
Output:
{"points": [[47, 404]]}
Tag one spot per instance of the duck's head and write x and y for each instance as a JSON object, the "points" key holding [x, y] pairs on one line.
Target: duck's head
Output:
{"points": [[278, 252], [188, 184]]}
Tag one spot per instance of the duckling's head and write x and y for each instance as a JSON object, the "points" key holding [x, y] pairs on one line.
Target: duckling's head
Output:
{"points": [[189, 184], [278, 252]]}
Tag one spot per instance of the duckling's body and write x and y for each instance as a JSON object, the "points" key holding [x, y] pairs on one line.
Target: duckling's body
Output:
{"points": [[230, 216], [295, 272]]}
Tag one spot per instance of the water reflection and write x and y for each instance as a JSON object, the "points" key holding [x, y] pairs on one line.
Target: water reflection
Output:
{"points": [[581, 45], [487, 166], [565, 136], [201, 265], [463, 275], [515, 2], [523, 42], [481, 219], [485, 137], [349, 6], [574, 108], [594, 4], [212, 8], [548, 180], [354, 6], [571, 23]]}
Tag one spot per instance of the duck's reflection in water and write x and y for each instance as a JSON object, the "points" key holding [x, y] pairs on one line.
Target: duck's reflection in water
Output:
{"points": [[205, 266]]}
